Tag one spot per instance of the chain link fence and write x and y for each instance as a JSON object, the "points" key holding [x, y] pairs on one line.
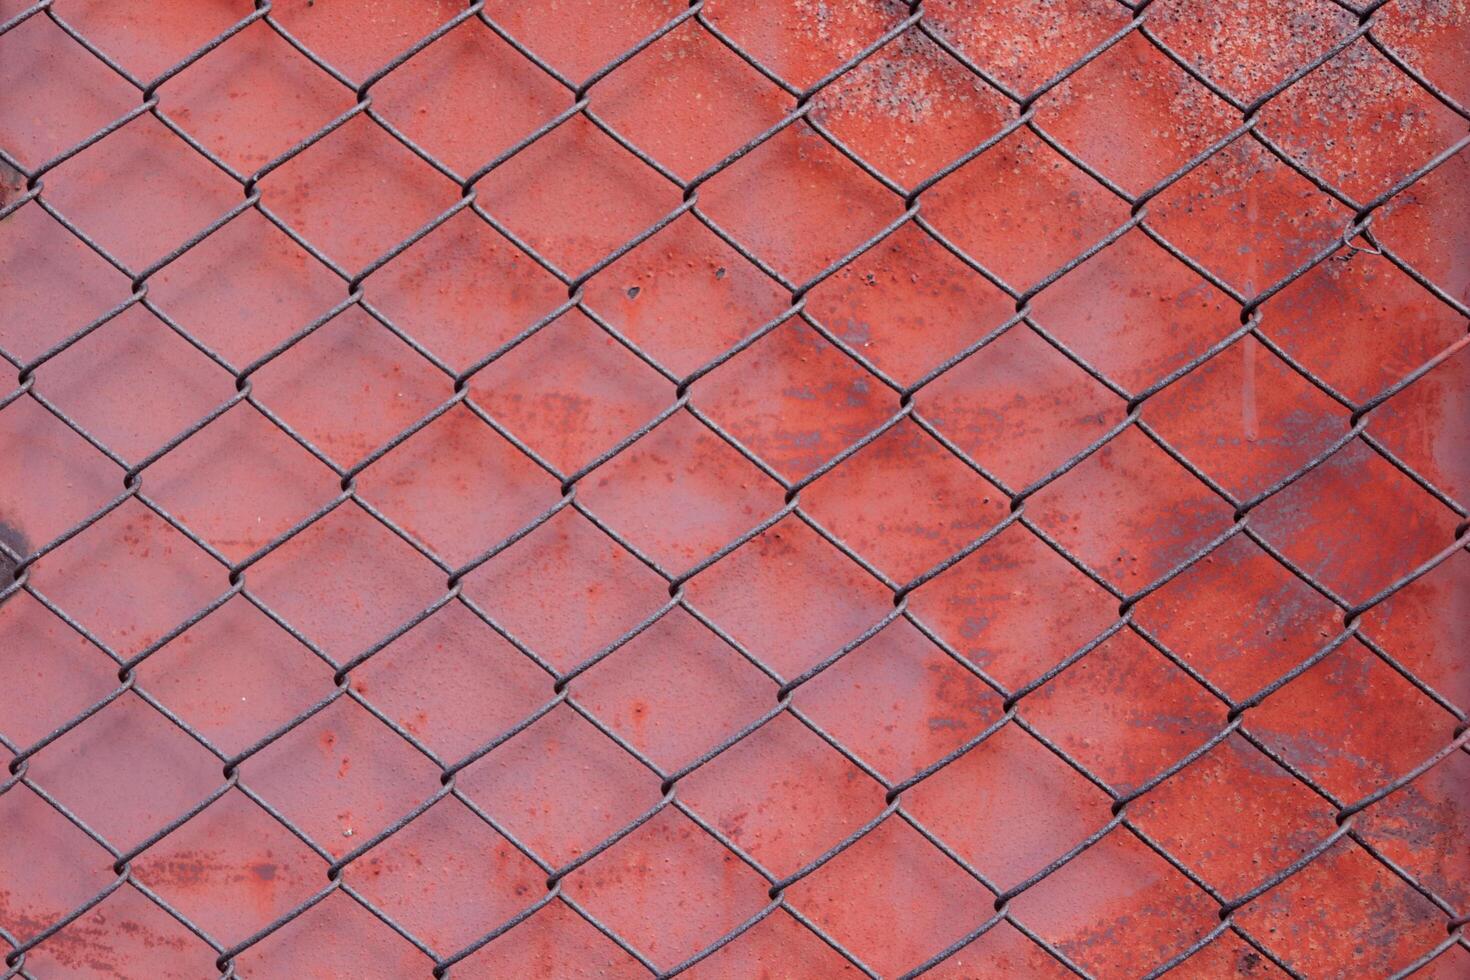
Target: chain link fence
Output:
{"points": [[1027, 266]]}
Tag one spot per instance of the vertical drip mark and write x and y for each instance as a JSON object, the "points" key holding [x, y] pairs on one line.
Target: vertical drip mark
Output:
{"points": [[1248, 417]]}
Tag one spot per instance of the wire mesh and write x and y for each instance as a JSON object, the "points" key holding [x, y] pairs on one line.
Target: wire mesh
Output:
{"points": [[32, 186]]}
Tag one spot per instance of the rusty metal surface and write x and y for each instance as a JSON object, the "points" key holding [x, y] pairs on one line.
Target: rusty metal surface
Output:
{"points": [[609, 488]]}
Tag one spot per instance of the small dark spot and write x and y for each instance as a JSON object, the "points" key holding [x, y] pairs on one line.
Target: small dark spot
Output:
{"points": [[264, 871], [720, 272], [633, 292]]}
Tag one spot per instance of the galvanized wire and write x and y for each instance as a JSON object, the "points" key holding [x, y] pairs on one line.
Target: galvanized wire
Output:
{"points": [[18, 558]]}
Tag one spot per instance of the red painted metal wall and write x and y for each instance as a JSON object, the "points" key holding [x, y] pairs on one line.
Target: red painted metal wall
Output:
{"points": [[608, 488]]}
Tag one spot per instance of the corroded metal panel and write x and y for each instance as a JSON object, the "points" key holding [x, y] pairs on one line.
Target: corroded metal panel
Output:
{"points": [[804, 488]]}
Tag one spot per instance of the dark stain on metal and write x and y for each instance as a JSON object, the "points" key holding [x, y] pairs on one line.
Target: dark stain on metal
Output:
{"points": [[13, 549]]}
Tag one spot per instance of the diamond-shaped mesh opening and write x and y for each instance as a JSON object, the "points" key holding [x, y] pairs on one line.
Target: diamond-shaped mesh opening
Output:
{"points": [[961, 488]]}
